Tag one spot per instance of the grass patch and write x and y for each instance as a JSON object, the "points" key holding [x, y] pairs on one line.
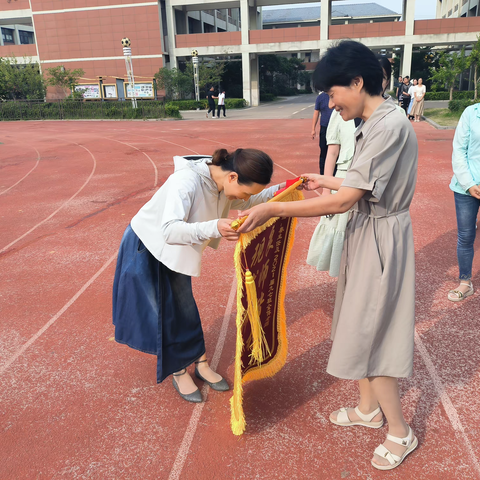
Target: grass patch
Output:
{"points": [[443, 116]]}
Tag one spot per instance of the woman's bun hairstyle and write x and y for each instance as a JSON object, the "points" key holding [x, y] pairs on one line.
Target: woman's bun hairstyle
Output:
{"points": [[251, 165]]}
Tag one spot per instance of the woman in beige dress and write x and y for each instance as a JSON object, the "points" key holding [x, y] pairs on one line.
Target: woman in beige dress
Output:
{"points": [[419, 91], [373, 321]]}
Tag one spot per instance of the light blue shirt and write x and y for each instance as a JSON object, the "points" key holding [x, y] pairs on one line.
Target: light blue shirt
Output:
{"points": [[466, 151]]}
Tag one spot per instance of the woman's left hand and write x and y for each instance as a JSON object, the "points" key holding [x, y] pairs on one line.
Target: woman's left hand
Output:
{"points": [[257, 216]]}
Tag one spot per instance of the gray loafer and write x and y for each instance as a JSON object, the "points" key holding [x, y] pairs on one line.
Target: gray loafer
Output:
{"points": [[220, 386], [194, 397]]}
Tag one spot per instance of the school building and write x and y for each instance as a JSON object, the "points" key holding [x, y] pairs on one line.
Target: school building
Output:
{"points": [[87, 33]]}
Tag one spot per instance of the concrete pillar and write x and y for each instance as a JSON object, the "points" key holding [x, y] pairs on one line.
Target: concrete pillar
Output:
{"points": [[244, 18], [406, 65], [185, 14], [255, 80], [325, 18], [246, 77], [16, 35], [408, 16], [202, 23], [1, 38], [172, 30], [252, 16], [215, 28]]}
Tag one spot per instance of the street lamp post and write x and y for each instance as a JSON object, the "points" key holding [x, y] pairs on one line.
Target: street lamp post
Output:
{"points": [[127, 52], [196, 74]]}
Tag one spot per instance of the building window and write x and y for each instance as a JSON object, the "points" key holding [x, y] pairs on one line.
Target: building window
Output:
{"points": [[26, 37], [450, 13], [7, 35]]}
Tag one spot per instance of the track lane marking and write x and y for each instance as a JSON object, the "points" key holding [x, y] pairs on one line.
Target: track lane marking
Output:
{"points": [[197, 410], [40, 332], [25, 176], [61, 206]]}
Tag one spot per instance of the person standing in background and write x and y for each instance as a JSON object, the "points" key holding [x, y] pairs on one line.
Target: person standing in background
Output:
{"points": [[211, 102], [405, 96], [410, 92], [323, 111], [221, 103], [465, 185], [398, 90], [419, 95]]}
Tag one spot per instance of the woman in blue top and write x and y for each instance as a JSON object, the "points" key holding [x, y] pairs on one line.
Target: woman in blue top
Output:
{"points": [[466, 189]]}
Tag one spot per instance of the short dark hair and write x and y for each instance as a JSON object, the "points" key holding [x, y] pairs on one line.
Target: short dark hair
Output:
{"points": [[345, 61], [406, 76], [386, 67], [251, 165]]}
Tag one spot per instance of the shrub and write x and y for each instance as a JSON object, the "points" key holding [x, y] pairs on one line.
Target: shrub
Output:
{"points": [[460, 105], [172, 111], [446, 95], [203, 104], [267, 97]]}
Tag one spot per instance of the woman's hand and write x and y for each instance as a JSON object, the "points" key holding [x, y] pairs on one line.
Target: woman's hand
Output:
{"points": [[226, 231], [258, 216], [475, 191], [313, 182]]}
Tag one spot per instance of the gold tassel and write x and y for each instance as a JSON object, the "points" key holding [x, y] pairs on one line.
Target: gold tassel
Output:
{"points": [[259, 342]]}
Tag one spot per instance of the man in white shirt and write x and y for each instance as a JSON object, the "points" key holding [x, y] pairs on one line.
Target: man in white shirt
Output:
{"points": [[221, 103]]}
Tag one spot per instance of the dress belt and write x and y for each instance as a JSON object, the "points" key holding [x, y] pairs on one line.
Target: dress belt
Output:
{"points": [[393, 214]]}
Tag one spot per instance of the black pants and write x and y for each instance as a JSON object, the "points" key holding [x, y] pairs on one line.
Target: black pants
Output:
{"points": [[218, 110], [211, 108], [406, 103], [323, 148]]}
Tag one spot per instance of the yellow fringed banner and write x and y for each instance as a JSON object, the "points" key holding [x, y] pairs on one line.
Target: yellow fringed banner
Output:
{"points": [[261, 259]]}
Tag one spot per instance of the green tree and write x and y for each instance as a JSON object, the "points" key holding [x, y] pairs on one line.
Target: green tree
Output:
{"points": [[62, 77], [20, 80], [450, 66], [423, 60], [175, 83], [473, 60], [209, 73]]}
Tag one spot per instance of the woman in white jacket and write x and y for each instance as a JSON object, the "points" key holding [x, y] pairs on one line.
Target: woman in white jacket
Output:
{"points": [[153, 306]]}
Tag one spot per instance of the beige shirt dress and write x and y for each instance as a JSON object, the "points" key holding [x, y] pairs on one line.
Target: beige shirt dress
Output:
{"points": [[374, 317]]}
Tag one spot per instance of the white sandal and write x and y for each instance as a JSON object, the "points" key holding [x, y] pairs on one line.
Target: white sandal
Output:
{"points": [[366, 420], [459, 294], [410, 441]]}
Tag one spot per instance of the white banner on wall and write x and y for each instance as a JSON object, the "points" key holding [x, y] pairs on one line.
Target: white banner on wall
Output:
{"points": [[142, 90], [89, 91]]}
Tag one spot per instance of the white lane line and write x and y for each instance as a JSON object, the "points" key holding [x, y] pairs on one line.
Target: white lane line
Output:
{"points": [[133, 146], [61, 206], [162, 140], [197, 411], [35, 337], [24, 177], [450, 410]]}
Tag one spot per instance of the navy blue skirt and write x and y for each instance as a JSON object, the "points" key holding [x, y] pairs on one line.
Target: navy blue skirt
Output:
{"points": [[154, 310]]}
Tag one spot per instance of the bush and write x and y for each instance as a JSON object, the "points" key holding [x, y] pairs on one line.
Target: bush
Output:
{"points": [[172, 111], [203, 104], [460, 105], [267, 97], [446, 95], [76, 109]]}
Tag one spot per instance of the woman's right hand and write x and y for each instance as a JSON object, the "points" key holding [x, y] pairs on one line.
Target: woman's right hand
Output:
{"points": [[475, 191], [226, 231], [313, 182]]}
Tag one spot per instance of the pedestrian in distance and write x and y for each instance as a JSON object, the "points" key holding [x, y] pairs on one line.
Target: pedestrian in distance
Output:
{"points": [[221, 104], [398, 92], [413, 84], [374, 319], [322, 111], [465, 185], [211, 102], [419, 95], [154, 309], [405, 96]]}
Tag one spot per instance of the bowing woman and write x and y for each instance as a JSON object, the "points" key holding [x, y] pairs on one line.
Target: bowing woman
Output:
{"points": [[373, 321]]}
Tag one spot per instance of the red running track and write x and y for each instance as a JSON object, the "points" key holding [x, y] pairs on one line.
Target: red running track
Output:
{"points": [[74, 404]]}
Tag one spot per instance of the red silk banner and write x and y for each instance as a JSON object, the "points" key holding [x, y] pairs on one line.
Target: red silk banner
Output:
{"points": [[261, 349]]}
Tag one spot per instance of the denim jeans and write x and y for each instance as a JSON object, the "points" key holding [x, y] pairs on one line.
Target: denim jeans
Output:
{"points": [[467, 210]]}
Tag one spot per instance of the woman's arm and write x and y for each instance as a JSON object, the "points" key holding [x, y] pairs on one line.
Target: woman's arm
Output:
{"points": [[316, 114], [460, 152], [315, 181], [331, 160], [325, 205]]}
